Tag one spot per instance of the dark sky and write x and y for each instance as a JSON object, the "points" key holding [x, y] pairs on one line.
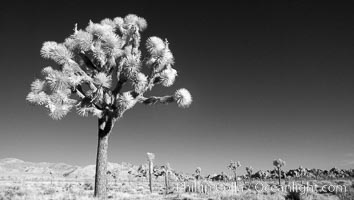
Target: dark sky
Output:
{"points": [[269, 80]]}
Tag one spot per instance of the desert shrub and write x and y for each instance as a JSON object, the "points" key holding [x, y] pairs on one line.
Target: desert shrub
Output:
{"points": [[11, 192], [293, 195], [344, 182], [243, 196], [345, 196], [49, 191], [8, 194], [88, 186], [185, 196]]}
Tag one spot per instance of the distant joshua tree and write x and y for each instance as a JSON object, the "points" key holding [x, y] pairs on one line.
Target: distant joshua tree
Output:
{"points": [[279, 163], [198, 172], [167, 170], [302, 172], [94, 66], [233, 167], [151, 158], [317, 173], [249, 171], [51, 177]]}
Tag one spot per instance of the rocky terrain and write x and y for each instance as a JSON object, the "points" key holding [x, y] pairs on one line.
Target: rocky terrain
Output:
{"points": [[28, 180], [12, 167]]}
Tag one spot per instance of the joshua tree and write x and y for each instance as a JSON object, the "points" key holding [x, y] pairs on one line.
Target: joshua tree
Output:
{"points": [[233, 167], [317, 173], [115, 175], [151, 158], [249, 171], [167, 170], [94, 66], [51, 177], [198, 171], [279, 163], [302, 172]]}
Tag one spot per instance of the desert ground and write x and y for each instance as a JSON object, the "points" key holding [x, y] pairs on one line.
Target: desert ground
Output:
{"points": [[26, 180], [26, 189]]}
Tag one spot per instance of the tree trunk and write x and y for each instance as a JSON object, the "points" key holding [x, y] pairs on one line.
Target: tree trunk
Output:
{"points": [[235, 177], [150, 175], [105, 125], [279, 174], [166, 181]]}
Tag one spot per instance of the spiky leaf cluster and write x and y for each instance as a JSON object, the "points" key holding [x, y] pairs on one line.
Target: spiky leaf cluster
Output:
{"points": [[95, 63], [279, 163], [233, 165], [198, 170], [150, 156], [249, 170]]}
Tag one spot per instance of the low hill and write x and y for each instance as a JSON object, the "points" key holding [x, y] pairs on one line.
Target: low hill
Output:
{"points": [[16, 168]]}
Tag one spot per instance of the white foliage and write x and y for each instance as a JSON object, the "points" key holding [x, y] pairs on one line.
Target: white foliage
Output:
{"points": [[108, 22], [37, 85], [56, 80], [58, 52], [161, 55], [140, 82], [166, 58], [111, 43], [81, 39], [138, 21], [47, 70], [59, 104], [99, 54], [132, 65], [57, 112], [74, 80], [133, 62], [150, 156], [126, 101], [118, 21], [62, 97], [183, 98], [168, 76], [40, 98], [102, 79], [99, 29], [142, 24], [131, 19], [100, 43], [155, 45]]}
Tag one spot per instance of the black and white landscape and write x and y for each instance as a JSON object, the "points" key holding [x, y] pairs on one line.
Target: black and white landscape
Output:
{"points": [[172, 100]]}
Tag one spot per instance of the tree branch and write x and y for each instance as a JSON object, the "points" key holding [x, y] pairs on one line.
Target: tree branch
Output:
{"points": [[151, 78], [80, 92], [153, 100], [88, 62], [79, 89], [121, 81]]}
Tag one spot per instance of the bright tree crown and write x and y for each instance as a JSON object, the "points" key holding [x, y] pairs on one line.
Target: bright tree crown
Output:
{"points": [[233, 165], [249, 169], [279, 163], [93, 65]]}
